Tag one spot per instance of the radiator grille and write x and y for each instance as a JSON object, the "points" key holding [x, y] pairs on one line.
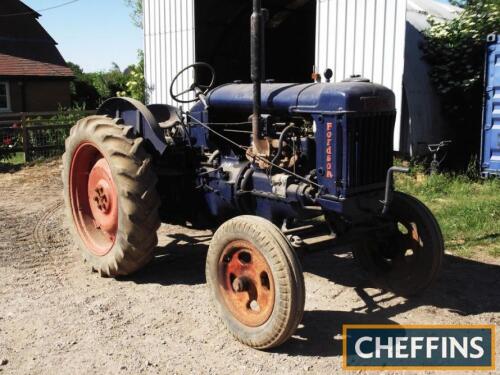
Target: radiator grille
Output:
{"points": [[369, 149]]}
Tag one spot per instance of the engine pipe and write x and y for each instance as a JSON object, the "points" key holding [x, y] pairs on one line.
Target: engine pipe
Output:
{"points": [[389, 187], [257, 21]]}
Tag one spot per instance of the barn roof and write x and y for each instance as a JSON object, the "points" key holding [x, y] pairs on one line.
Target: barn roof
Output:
{"points": [[26, 49]]}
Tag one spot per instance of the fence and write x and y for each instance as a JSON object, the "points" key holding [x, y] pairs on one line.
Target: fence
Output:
{"points": [[26, 137]]}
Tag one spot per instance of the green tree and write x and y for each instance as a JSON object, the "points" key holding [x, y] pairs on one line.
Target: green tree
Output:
{"points": [[455, 51], [136, 84], [463, 3], [83, 90], [91, 89], [137, 11]]}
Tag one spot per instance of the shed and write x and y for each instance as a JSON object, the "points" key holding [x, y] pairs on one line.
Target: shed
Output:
{"points": [[365, 37], [422, 119]]}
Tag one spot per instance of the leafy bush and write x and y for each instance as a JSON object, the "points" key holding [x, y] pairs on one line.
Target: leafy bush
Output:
{"points": [[136, 84], [91, 89], [455, 51]]}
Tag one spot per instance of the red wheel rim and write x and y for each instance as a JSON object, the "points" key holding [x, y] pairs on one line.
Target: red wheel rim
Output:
{"points": [[94, 201], [246, 283]]}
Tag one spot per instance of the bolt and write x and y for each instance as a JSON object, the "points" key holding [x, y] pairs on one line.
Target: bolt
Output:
{"points": [[239, 284], [254, 305]]}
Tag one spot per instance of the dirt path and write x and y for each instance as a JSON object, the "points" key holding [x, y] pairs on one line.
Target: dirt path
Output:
{"points": [[58, 317]]}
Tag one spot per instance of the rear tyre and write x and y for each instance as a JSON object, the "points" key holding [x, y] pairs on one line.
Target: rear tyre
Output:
{"points": [[256, 282], [409, 260], [110, 195]]}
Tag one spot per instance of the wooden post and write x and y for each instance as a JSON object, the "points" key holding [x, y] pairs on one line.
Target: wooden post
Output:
{"points": [[26, 142]]}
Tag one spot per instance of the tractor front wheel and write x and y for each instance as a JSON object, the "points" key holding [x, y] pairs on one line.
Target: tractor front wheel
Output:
{"points": [[256, 281], [408, 258], [110, 195]]}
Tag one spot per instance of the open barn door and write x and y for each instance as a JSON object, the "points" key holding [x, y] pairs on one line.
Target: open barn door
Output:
{"points": [[223, 38], [179, 32]]}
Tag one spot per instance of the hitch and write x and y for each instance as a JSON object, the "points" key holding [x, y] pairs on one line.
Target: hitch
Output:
{"points": [[389, 186]]}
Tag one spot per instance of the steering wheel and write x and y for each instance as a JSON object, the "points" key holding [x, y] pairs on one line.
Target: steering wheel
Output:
{"points": [[196, 87]]}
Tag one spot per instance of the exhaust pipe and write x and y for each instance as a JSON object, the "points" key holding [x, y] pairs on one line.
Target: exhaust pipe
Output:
{"points": [[260, 145]]}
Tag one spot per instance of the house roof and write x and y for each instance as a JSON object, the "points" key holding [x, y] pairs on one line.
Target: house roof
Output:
{"points": [[26, 49]]}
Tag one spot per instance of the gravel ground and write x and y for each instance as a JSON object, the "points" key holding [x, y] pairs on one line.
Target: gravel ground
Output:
{"points": [[56, 317]]}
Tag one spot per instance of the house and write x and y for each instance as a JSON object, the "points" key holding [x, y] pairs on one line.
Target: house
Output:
{"points": [[33, 75], [371, 38]]}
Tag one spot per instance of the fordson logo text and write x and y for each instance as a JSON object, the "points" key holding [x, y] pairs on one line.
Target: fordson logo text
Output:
{"points": [[329, 150], [418, 347]]}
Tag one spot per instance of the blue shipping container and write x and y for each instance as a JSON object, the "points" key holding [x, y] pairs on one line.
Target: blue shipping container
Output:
{"points": [[490, 150]]}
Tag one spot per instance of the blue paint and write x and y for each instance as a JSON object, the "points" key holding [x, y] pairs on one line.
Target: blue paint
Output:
{"points": [[490, 155], [354, 124]]}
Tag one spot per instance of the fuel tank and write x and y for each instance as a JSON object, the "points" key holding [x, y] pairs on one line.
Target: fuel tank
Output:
{"points": [[310, 98]]}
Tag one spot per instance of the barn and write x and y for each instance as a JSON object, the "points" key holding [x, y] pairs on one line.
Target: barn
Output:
{"points": [[33, 75], [370, 38]]}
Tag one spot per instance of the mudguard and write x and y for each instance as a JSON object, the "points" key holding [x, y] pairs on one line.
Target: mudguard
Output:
{"points": [[136, 114]]}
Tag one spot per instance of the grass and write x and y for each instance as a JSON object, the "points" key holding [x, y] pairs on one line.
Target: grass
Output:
{"points": [[18, 158], [14, 159], [467, 211]]}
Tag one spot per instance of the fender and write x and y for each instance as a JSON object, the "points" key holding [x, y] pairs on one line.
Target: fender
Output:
{"points": [[136, 114]]}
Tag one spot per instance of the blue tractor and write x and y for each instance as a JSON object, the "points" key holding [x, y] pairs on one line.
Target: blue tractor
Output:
{"points": [[262, 164]]}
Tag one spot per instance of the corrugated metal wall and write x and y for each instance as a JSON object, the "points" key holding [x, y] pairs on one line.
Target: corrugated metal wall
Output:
{"points": [[365, 37], [168, 45]]}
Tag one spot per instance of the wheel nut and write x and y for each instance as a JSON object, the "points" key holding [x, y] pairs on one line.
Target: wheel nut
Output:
{"points": [[254, 305], [239, 284]]}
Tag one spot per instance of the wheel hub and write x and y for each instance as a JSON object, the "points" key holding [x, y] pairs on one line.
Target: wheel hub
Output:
{"points": [[94, 200], [102, 197], [246, 283]]}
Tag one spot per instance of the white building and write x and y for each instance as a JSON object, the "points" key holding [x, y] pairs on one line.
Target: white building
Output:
{"points": [[365, 37]]}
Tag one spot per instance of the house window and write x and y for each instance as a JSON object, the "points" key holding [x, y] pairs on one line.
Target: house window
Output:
{"points": [[4, 97]]}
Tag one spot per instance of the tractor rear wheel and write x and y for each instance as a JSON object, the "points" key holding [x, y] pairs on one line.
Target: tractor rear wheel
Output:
{"points": [[256, 281], [110, 195], [408, 260]]}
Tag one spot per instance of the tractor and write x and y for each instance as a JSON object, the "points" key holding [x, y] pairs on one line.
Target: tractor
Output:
{"points": [[263, 165]]}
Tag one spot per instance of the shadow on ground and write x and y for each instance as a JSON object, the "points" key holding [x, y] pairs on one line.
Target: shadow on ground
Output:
{"points": [[465, 287], [181, 261], [10, 168]]}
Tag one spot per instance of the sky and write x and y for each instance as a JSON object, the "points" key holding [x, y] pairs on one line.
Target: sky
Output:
{"points": [[92, 33]]}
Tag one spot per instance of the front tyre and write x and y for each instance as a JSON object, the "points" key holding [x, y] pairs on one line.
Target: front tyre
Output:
{"points": [[256, 282], [110, 195], [408, 259]]}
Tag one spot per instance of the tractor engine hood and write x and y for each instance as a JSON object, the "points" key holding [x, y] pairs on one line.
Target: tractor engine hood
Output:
{"points": [[321, 98]]}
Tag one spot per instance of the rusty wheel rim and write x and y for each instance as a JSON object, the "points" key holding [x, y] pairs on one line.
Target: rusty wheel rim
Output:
{"points": [[94, 200], [246, 283]]}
